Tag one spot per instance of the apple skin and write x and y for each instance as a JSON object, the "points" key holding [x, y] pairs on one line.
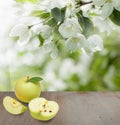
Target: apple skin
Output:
{"points": [[13, 106], [37, 110], [26, 91]]}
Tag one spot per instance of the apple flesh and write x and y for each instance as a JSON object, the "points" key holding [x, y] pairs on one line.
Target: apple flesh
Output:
{"points": [[42, 109], [13, 106], [26, 90]]}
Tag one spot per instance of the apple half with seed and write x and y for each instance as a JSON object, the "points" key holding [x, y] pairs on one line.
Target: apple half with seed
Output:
{"points": [[42, 109], [13, 106]]}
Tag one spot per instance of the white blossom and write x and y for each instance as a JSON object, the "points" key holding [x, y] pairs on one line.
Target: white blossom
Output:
{"points": [[70, 10], [99, 2], [116, 4], [93, 43], [61, 3], [76, 42], [69, 28], [27, 26], [36, 29], [107, 6], [107, 10], [50, 47], [21, 31], [54, 52], [104, 25], [50, 4], [47, 47], [44, 30], [85, 9], [54, 3], [29, 20]]}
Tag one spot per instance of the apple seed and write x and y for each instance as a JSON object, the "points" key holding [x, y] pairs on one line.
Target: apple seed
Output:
{"points": [[45, 110], [50, 111]]}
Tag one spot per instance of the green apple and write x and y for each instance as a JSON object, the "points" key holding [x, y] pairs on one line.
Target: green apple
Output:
{"points": [[27, 88], [42, 109], [13, 106]]}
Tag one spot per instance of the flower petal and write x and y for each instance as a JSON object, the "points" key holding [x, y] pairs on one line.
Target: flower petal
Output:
{"points": [[69, 28], [94, 43], [48, 47], [24, 39], [29, 21], [76, 42], [54, 3], [54, 53], [104, 25], [71, 44], [36, 29], [107, 10], [116, 4], [22, 32], [98, 2], [46, 31]]}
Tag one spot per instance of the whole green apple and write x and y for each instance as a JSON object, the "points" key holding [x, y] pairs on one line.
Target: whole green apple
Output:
{"points": [[42, 109], [27, 88]]}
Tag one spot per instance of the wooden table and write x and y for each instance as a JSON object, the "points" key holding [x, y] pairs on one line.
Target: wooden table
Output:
{"points": [[76, 108]]}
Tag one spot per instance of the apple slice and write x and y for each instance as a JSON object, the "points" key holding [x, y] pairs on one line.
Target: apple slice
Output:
{"points": [[13, 106], [42, 109]]}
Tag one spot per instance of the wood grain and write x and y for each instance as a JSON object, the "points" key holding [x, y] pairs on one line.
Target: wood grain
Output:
{"points": [[76, 108]]}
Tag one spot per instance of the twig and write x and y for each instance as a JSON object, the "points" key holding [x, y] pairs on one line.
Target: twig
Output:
{"points": [[80, 3]]}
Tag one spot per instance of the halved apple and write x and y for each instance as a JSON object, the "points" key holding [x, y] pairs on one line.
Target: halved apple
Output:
{"points": [[13, 106], [42, 109]]}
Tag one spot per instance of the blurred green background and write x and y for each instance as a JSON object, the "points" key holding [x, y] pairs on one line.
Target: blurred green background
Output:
{"points": [[68, 72]]}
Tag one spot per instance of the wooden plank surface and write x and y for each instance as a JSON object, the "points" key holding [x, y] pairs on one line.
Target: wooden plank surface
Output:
{"points": [[76, 108]]}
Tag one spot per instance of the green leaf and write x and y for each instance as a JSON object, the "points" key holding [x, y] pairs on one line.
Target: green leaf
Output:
{"points": [[56, 34], [115, 17], [41, 14], [63, 10], [86, 24], [51, 22], [58, 14], [81, 20], [41, 40], [35, 79], [30, 1]]}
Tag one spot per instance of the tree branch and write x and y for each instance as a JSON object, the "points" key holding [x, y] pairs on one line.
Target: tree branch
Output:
{"points": [[80, 3]]}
